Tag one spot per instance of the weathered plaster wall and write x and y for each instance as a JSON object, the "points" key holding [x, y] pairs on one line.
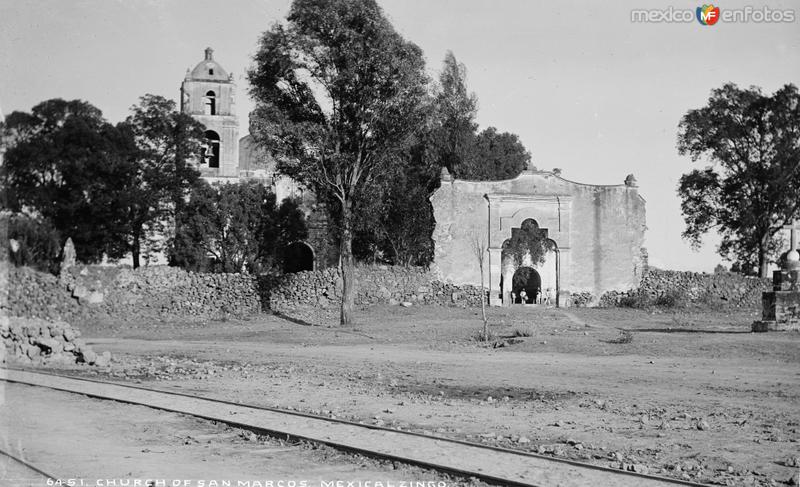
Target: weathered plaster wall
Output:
{"points": [[599, 230]]}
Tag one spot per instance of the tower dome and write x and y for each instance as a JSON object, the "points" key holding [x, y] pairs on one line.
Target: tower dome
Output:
{"points": [[208, 69], [208, 94]]}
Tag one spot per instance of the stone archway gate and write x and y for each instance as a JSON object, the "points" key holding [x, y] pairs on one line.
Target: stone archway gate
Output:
{"points": [[507, 211]]}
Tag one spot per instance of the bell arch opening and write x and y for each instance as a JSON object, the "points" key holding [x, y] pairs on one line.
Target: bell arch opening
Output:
{"points": [[211, 156]]}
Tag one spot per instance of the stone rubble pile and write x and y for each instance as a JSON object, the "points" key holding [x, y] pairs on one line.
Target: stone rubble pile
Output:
{"points": [[37, 341], [39, 295]]}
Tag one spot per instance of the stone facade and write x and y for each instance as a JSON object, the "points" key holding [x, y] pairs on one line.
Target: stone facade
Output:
{"points": [[597, 232], [208, 94]]}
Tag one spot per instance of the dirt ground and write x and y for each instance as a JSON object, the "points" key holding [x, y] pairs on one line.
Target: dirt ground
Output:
{"points": [[89, 442], [690, 394]]}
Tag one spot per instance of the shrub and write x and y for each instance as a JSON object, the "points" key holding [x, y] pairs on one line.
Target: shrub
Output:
{"points": [[637, 300], [624, 337], [479, 337], [33, 243], [672, 298], [520, 332], [581, 300]]}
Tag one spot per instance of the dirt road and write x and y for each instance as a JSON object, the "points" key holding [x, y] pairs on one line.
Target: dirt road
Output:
{"points": [[688, 395], [103, 443]]}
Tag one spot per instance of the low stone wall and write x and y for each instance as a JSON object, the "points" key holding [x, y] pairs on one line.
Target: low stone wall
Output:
{"points": [[92, 292], [679, 287], [374, 285], [84, 292]]}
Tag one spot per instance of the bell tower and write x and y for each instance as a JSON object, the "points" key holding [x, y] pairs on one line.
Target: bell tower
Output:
{"points": [[208, 94]]}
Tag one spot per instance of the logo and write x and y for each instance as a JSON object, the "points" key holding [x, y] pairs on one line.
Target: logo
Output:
{"points": [[707, 14]]}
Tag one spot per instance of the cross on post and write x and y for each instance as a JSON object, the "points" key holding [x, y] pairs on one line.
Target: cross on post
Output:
{"points": [[793, 227]]}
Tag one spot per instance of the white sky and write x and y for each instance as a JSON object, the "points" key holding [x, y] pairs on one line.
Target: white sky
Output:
{"points": [[587, 90]]}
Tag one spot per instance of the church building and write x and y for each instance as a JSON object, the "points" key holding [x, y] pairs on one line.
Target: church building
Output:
{"points": [[208, 93], [595, 236]]}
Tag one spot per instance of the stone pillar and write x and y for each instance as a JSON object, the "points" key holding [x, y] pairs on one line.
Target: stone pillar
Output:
{"points": [[781, 306], [495, 271]]}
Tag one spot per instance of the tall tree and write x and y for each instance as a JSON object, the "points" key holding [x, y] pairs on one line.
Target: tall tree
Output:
{"points": [[63, 164], [166, 142], [456, 109], [466, 153], [338, 94], [749, 189]]}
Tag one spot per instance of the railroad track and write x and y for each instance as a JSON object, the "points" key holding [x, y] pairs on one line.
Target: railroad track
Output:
{"points": [[491, 464], [22, 472]]}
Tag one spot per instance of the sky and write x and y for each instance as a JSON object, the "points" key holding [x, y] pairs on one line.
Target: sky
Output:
{"points": [[586, 89]]}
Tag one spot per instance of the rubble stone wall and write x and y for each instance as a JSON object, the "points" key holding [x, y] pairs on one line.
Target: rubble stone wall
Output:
{"points": [[374, 285], [149, 292], [728, 289], [88, 292]]}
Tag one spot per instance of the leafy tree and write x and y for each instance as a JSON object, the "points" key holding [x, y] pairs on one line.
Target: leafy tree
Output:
{"points": [[161, 173], [749, 189], [64, 164], [338, 94], [455, 112], [466, 153], [231, 227], [494, 156], [528, 240]]}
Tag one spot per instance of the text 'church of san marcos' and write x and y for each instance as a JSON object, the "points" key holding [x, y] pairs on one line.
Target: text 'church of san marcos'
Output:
{"points": [[595, 232]]}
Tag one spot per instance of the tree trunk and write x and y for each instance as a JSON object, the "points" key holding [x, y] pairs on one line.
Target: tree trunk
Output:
{"points": [[136, 248], [346, 260], [763, 261]]}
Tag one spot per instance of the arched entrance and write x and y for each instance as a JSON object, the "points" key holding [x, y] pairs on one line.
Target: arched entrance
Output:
{"points": [[526, 285], [519, 270], [298, 257]]}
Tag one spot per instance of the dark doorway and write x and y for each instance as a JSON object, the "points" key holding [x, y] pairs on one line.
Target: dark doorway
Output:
{"points": [[528, 280], [212, 149], [298, 257]]}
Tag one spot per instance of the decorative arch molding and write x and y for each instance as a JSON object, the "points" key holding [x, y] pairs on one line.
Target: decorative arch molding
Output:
{"points": [[550, 213]]}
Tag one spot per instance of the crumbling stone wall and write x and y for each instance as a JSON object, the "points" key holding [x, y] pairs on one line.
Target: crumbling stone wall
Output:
{"points": [[374, 285], [85, 292], [726, 289], [734, 289], [92, 292]]}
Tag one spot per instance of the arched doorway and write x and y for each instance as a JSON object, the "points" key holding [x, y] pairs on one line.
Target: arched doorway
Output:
{"points": [[298, 257], [518, 266], [526, 285]]}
